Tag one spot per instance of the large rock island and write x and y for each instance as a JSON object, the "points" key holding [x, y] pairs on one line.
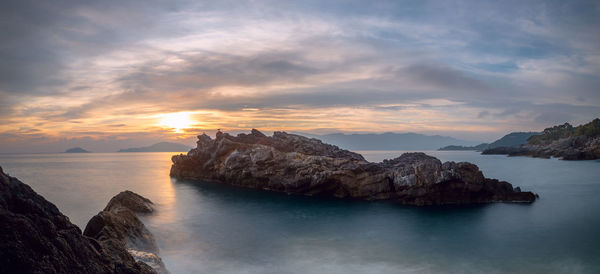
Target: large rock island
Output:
{"points": [[35, 237], [298, 165]]}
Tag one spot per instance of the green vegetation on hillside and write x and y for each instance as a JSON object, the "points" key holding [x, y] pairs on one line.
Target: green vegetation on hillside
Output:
{"points": [[591, 129], [566, 130]]}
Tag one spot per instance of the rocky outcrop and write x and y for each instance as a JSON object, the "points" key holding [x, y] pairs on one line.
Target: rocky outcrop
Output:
{"points": [[570, 148], [562, 141], [298, 165], [118, 230], [36, 238]]}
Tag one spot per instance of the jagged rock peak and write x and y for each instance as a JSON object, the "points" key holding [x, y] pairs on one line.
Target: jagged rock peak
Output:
{"points": [[281, 141], [257, 133]]}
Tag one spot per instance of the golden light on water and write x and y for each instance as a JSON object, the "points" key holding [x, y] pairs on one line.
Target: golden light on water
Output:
{"points": [[176, 121]]}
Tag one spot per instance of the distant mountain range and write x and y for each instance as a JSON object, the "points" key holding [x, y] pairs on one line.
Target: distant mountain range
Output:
{"points": [[76, 150], [159, 147], [508, 140], [388, 141]]}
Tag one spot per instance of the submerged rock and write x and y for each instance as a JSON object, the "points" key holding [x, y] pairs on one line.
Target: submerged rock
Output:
{"points": [[35, 237], [298, 165]]}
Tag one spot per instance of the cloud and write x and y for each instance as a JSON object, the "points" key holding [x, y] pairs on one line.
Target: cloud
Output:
{"points": [[28, 59], [209, 70], [73, 67], [442, 77], [270, 81], [483, 114], [42, 40]]}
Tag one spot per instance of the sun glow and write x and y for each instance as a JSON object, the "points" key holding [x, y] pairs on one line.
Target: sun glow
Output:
{"points": [[176, 121]]}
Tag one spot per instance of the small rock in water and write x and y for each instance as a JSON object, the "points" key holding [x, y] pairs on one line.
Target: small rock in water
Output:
{"points": [[118, 228]]}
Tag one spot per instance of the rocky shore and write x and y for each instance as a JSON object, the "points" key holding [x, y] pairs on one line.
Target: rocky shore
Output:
{"points": [[35, 237], [573, 148], [564, 141], [298, 165]]}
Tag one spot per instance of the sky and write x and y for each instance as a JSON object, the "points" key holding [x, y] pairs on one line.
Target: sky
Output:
{"points": [[113, 74]]}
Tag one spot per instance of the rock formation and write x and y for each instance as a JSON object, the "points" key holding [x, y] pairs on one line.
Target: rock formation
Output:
{"points": [[298, 165], [36, 238], [118, 229]]}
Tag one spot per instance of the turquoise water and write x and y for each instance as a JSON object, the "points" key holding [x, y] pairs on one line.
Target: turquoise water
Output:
{"points": [[209, 228]]}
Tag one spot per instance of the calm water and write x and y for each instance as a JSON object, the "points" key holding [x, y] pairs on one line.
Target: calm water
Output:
{"points": [[208, 228]]}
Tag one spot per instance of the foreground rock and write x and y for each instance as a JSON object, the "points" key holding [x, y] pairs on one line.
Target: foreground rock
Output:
{"points": [[36, 238], [118, 230], [298, 165], [564, 141]]}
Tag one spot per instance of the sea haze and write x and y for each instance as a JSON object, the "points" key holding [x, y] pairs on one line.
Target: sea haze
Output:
{"points": [[389, 141], [210, 228]]}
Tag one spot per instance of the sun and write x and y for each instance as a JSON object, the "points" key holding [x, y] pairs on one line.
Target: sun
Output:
{"points": [[176, 121]]}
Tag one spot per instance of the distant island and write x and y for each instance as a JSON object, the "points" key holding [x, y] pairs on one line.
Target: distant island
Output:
{"points": [[479, 147], [509, 140], [563, 141], [76, 150], [158, 147], [389, 141]]}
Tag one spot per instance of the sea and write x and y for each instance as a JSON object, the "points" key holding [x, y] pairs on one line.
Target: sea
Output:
{"points": [[204, 227]]}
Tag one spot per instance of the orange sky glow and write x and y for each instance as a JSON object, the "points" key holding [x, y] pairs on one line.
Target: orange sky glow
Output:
{"points": [[111, 76]]}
